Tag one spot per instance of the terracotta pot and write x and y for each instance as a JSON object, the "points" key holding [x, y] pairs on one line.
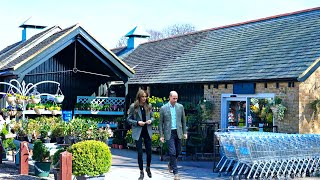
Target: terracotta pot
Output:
{"points": [[54, 112], [12, 113], [38, 111], [10, 99], [35, 100]]}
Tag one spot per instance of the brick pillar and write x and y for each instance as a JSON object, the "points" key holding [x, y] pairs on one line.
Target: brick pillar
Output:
{"points": [[24, 157], [65, 166]]}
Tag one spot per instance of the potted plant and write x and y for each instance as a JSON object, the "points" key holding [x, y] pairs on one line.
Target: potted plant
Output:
{"points": [[58, 133], [10, 110], [129, 139], [41, 156], [19, 110], [84, 154], [33, 129], [35, 99], [39, 108], [55, 109], [20, 99], [30, 106], [115, 143]]}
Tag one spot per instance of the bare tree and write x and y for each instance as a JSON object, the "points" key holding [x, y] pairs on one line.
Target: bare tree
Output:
{"points": [[122, 42], [173, 30], [154, 35], [178, 29]]}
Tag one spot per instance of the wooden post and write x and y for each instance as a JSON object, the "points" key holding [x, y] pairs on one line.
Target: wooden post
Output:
{"points": [[24, 157], [1, 151], [65, 166]]}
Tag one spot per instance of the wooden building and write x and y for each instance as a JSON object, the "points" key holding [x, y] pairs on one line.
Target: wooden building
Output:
{"points": [[70, 56]]}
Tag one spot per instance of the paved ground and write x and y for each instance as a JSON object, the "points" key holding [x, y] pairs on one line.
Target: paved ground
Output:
{"points": [[125, 166]]}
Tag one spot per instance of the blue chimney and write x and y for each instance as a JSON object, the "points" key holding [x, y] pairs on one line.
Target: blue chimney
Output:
{"points": [[135, 37], [25, 26]]}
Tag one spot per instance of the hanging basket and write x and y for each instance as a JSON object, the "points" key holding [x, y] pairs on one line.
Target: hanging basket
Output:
{"points": [[19, 101], [10, 99], [58, 98]]}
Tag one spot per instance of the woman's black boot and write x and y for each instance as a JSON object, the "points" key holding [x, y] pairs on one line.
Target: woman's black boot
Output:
{"points": [[141, 175]]}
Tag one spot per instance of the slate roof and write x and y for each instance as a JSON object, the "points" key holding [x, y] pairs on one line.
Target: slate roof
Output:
{"points": [[278, 47], [16, 55]]}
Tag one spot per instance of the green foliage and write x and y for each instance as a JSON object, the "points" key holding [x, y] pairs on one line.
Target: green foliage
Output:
{"points": [[205, 110], [128, 137], [4, 132], [40, 152], [315, 105], [277, 100], [56, 157], [8, 144], [90, 158], [58, 130], [156, 140], [156, 116], [281, 110], [156, 102]]}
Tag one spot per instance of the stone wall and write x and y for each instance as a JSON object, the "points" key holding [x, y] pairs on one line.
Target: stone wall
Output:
{"points": [[309, 91], [289, 96]]}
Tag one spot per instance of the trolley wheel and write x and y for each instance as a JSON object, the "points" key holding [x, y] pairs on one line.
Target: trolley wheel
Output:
{"points": [[303, 175], [292, 175]]}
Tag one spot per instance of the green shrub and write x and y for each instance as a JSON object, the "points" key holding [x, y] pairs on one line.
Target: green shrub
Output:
{"points": [[40, 152], [156, 140], [90, 158], [8, 144], [56, 157], [128, 137]]}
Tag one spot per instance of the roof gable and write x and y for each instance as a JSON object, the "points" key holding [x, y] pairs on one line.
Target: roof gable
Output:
{"points": [[281, 47], [24, 57]]}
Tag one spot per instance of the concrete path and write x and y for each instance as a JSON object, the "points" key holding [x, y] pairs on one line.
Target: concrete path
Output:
{"points": [[125, 167]]}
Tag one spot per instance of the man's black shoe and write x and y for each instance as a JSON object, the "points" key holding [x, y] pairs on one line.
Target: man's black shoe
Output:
{"points": [[149, 172]]}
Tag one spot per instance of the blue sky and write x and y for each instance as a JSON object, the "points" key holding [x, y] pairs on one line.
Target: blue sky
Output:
{"points": [[108, 20]]}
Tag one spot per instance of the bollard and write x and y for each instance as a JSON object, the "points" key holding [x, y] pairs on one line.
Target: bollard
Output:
{"points": [[65, 166], [24, 157]]}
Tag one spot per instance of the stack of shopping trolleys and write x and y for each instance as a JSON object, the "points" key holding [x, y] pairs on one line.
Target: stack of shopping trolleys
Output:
{"points": [[263, 155]]}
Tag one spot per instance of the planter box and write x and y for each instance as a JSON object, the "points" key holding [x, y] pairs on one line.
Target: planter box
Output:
{"points": [[42, 169]]}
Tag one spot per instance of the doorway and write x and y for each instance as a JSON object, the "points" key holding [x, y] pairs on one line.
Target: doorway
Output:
{"points": [[236, 109]]}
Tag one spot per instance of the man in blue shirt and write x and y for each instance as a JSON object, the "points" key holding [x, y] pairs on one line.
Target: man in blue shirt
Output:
{"points": [[172, 127]]}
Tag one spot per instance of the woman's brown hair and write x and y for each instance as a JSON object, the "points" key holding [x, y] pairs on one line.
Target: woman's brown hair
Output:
{"points": [[136, 105]]}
